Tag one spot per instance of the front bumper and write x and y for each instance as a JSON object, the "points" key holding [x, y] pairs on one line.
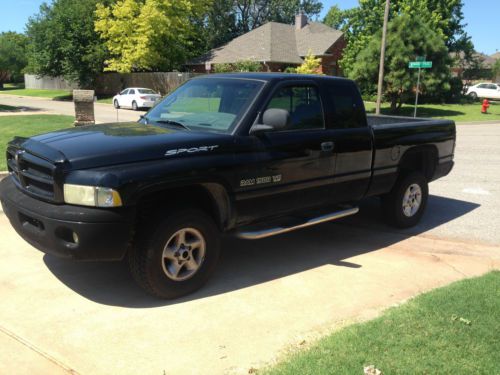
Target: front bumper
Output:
{"points": [[102, 234]]}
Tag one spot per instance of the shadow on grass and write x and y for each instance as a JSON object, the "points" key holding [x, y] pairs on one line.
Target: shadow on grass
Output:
{"points": [[244, 264], [63, 98], [12, 109]]}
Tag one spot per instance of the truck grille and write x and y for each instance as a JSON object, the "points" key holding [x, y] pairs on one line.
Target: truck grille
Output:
{"points": [[32, 174]]}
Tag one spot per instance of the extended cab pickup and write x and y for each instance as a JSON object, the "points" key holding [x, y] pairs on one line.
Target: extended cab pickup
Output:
{"points": [[250, 155]]}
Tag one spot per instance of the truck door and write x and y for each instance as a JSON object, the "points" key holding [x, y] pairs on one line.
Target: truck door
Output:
{"points": [[353, 140], [293, 168]]}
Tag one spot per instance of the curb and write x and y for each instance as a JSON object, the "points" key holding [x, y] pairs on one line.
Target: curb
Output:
{"points": [[3, 174]]}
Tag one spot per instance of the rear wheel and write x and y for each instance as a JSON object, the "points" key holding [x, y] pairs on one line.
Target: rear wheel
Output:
{"points": [[134, 106], [116, 104], [176, 255], [405, 204]]}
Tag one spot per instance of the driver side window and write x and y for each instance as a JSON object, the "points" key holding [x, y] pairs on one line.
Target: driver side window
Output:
{"points": [[304, 105]]}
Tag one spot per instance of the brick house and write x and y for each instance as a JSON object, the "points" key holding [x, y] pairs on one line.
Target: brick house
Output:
{"points": [[278, 46]]}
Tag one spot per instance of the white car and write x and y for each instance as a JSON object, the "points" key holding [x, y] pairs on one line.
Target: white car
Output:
{"points": [[135, 98], [484, 90]]}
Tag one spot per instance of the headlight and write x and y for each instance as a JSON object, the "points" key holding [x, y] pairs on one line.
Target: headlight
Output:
{"points": [[94, 196]]}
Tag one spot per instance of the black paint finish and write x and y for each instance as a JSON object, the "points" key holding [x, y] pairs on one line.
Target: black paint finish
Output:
{"points": [[249, 178]]}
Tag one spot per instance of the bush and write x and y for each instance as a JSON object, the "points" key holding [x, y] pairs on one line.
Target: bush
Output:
{"points": [[239, 66]]}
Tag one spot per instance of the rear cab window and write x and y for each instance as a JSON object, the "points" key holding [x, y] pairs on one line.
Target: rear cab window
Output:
{"points": [[347, 108]]}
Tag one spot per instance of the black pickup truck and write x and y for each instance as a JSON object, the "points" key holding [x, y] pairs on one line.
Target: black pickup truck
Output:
{"points": [[250, 155]]}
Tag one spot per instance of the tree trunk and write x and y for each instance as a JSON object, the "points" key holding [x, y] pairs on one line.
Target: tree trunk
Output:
{"points": [[394, 104], [1, 85]]}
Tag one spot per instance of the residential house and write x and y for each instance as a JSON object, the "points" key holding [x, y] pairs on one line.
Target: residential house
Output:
{"points": [[278, 46]]}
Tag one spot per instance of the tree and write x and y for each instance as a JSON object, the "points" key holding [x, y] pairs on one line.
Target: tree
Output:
{"points": [[219, 27], [63, 41], [12, 56], [444, 16], [149, 34], [408, 36], [311, 65], [495, 70], [230, 18], [337, 18]]}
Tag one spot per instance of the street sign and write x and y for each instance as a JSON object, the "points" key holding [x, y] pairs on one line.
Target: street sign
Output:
{"points": [[420, 64]]}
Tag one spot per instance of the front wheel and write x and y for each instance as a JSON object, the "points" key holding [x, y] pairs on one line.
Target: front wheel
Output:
{"points": [[405, 204], [134, 106], [116, 104], [473, 95], [176, 255]]}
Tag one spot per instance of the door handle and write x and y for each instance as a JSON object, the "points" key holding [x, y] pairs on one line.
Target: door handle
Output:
{"points": [[327, 146]]}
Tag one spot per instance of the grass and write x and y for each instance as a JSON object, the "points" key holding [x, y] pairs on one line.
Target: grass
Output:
{"points": [[13, 89], [62, 95], [456, 112], [27, 126], [451, 330]]}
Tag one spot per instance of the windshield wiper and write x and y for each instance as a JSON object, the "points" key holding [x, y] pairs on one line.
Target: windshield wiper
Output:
{"points": [[171, 122]]}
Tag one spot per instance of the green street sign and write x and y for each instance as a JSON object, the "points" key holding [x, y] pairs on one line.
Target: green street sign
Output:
{"points": [[420, 64]]}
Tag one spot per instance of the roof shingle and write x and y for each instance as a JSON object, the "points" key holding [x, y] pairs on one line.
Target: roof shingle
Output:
{"points": [[274, 42]]}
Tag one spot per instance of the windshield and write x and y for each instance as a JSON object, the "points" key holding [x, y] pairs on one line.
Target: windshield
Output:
{"points": [[210, 104], [146, 91]]}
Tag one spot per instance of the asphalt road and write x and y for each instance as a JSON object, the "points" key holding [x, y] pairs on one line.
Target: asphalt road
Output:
{"points": [[267, 296], [103, 112]]}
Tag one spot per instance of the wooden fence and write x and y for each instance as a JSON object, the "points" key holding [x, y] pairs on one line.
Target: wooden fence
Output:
{"points": [[111, 83]]}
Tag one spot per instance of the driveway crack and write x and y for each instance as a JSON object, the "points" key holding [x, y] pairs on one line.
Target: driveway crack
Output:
{"points": [[32, 347]]}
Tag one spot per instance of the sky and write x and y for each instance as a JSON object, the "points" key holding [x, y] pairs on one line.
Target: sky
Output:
{"points": [[480, 15]]}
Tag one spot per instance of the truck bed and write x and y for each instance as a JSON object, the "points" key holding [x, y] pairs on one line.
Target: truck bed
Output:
{"points": [[376, 121]]}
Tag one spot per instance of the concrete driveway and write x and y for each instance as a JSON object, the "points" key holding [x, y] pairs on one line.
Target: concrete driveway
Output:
{"points": [[103, 112], [266, 298]]}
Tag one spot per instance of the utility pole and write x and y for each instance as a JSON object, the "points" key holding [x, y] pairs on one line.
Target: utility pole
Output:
{"points": [[382, 58]]}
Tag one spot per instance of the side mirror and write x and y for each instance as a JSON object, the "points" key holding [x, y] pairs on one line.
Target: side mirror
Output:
{"points": [[273, 119]]}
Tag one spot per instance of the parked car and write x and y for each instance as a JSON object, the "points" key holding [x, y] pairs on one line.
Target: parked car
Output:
{"points": [[250, 155], [484, 90], [135, 98]]}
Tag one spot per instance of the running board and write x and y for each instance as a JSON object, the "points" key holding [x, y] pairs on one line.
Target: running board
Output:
{"points": [[256, 232]]}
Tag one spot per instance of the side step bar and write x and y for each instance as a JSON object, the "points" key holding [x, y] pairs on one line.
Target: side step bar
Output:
{"points": [[260, 231]]}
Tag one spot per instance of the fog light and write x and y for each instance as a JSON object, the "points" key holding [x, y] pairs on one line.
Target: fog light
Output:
{"points": [[75, 238]]}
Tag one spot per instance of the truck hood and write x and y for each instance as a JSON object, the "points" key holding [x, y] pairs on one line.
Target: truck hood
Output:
{"points": [[118, 143]]}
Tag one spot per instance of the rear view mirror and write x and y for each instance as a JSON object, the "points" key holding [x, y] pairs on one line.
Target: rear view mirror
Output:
{"points": [[273, 119]]}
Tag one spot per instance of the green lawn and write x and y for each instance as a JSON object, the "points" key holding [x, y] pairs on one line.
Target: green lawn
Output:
{"points": [[27, 126], [456, 112], [64, 95], [51, 94], [451, 330]]}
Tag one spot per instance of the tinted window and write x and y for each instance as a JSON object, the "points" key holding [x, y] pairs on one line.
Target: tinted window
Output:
{"points": [[124, 92], [492, 87], [304, 105], [348, 110], [482, 86], [131, 92]]}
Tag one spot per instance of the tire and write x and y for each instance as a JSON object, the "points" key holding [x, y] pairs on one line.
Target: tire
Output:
{"points": [[116, 104], [154, 265], [473, 95], [134, 106], [404, 206]]}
